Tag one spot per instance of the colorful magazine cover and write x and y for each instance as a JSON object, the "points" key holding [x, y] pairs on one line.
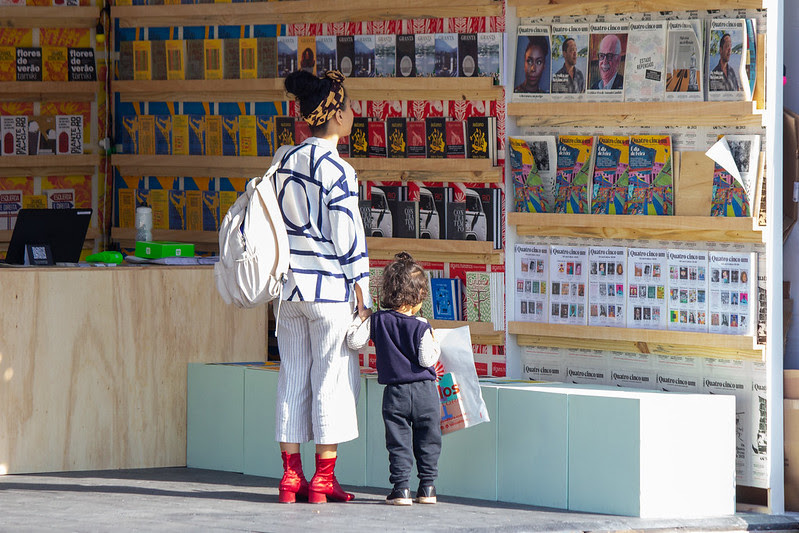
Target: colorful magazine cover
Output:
{"points": [[611, 176], [531, 168], [651, 188], [575, 154]]}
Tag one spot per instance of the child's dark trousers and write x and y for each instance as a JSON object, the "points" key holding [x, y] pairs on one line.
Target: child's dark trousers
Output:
{"points": [[412, 416]]}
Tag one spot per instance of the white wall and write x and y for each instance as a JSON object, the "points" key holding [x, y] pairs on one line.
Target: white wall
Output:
{"points": [[791, 249]]}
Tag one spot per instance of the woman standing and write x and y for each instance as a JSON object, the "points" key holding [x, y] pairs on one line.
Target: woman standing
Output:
{"points": [[319, 380]]}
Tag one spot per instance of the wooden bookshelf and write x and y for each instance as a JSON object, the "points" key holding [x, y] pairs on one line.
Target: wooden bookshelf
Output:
{"points": [[409, 169], [48, 165], [609, 114], [298, 11], [555, 8], [49, 16], [652, 341], [272, 89], [48, 91], [671, 228], [481, 332], [478, 252]]}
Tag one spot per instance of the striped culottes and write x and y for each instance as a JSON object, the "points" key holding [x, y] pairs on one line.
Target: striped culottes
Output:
{"points": [[319, 379]]}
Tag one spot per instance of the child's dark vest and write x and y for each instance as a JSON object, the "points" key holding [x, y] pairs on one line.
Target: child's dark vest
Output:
{"points": [[397, 338]]}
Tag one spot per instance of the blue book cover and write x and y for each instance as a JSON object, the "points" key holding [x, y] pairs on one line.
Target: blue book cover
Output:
{"points": [[163, 135], [446, 298], [196, 135], [177, 209], [210, 210], [230, 135], [265, 135], [129, 134]]}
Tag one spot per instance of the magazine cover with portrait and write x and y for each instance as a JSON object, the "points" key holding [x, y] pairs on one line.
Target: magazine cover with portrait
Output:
{"points": [[607, 45], [569, 58], [532, 69]]}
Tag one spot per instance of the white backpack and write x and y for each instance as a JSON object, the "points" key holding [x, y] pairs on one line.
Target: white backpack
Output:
{"points": [[253, 244]]}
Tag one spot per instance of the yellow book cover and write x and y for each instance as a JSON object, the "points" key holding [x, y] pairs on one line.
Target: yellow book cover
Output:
{"points": [[54, 59], [159, 201], [180, 134], [213, 135], [142, 67], [213, 59], [126, 207], [248, 138], [146, 134], [194, 210], [34, 201], [226, 199], [8, 63], [248, 65], [175, 52], [306, 53]]}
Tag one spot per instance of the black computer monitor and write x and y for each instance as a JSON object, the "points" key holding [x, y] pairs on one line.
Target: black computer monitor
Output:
{"points": [[63, 230]]}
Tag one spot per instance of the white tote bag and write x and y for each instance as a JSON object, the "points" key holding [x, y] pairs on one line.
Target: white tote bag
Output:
{"points": [[462, 404]]}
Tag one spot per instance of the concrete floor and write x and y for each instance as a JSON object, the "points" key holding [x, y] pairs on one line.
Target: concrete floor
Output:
{"points": [[188, 499]]}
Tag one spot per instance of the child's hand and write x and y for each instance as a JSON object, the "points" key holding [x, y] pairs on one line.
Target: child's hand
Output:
{"points": [[364, 313]]}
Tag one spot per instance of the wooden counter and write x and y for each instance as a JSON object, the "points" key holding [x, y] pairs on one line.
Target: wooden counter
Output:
{"points": [[93, 363]]}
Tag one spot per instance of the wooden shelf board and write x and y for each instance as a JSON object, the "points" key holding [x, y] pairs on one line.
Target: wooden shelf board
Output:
{"points": [[481, 332], [636, 340], [641, 113], [464, 170], [49, 16], [298, 11], [48, 91], [435, 250], [272, 89], [677, 228], [48, 165], [197, 237], [552, 8]]}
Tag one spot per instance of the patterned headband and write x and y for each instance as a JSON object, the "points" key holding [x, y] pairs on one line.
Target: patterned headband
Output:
{"points": [[334, 101]]}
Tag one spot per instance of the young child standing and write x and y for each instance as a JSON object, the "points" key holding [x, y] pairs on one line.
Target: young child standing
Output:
{"points": [[406, 351]]}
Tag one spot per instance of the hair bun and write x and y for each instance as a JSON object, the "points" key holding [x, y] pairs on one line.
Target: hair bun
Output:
{"points": [[404, 257], [302, 84]]}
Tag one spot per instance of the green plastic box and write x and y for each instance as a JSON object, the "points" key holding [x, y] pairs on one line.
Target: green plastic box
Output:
{"points": [[159, 249]]}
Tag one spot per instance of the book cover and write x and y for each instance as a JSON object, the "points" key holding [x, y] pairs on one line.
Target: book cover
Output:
{"points": [[467, 55], [651, 189], [125, 208], [433, 210], [301, 131], [230, 135], [385, 55], [265, 135], [359, 137], [54, 61], [175, 53], [248, 139], [574, 166], [446, 300], [491, 199], [646, 62], [477, 137], [286, 55], [195, 59], [568, 277], [751, 54], [159, 201], [490, 56], [146, 134], [569, 61], [29, 63], [456, 214], [343, 146], [727, 52], [531, 298], [417, 146], [284, 131], [128, 142], [396, 136], [10, 204], [364, 56], [177, 209], [406, 219], [210, 210], [231, 59], [532, 164], [406, 56], [611, 176], [384, 201], [345, 54], [41, 135], [69, 134], [646, 293], [687, 290], [142, 68], [213, 135], [158, 60], [194, 210], [607, 286], [735, 173], [435, 137], [163, 134], [60, 198], [267, 57], [479, 295], [8, 63], [607, 54], [306, 53], [196, 134], [226, 200], [212, 54], [377, 144], [455, 139], [446, 55], [684, 61], [425, 48], [531, 80], [248, 54], [180, 134], [365, 209], [325, 54]]}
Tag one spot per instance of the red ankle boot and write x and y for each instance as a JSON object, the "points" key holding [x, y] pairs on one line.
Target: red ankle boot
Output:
{"points": [[324, 483], [293, 483]]}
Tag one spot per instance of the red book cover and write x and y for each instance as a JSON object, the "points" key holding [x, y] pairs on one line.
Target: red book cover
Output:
{"points": [[301, 131], [455, 134], [378, 147], [416, 138]]}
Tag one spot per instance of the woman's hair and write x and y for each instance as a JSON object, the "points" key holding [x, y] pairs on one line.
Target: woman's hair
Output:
{"points": [[310, 91], [404, 283]]}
